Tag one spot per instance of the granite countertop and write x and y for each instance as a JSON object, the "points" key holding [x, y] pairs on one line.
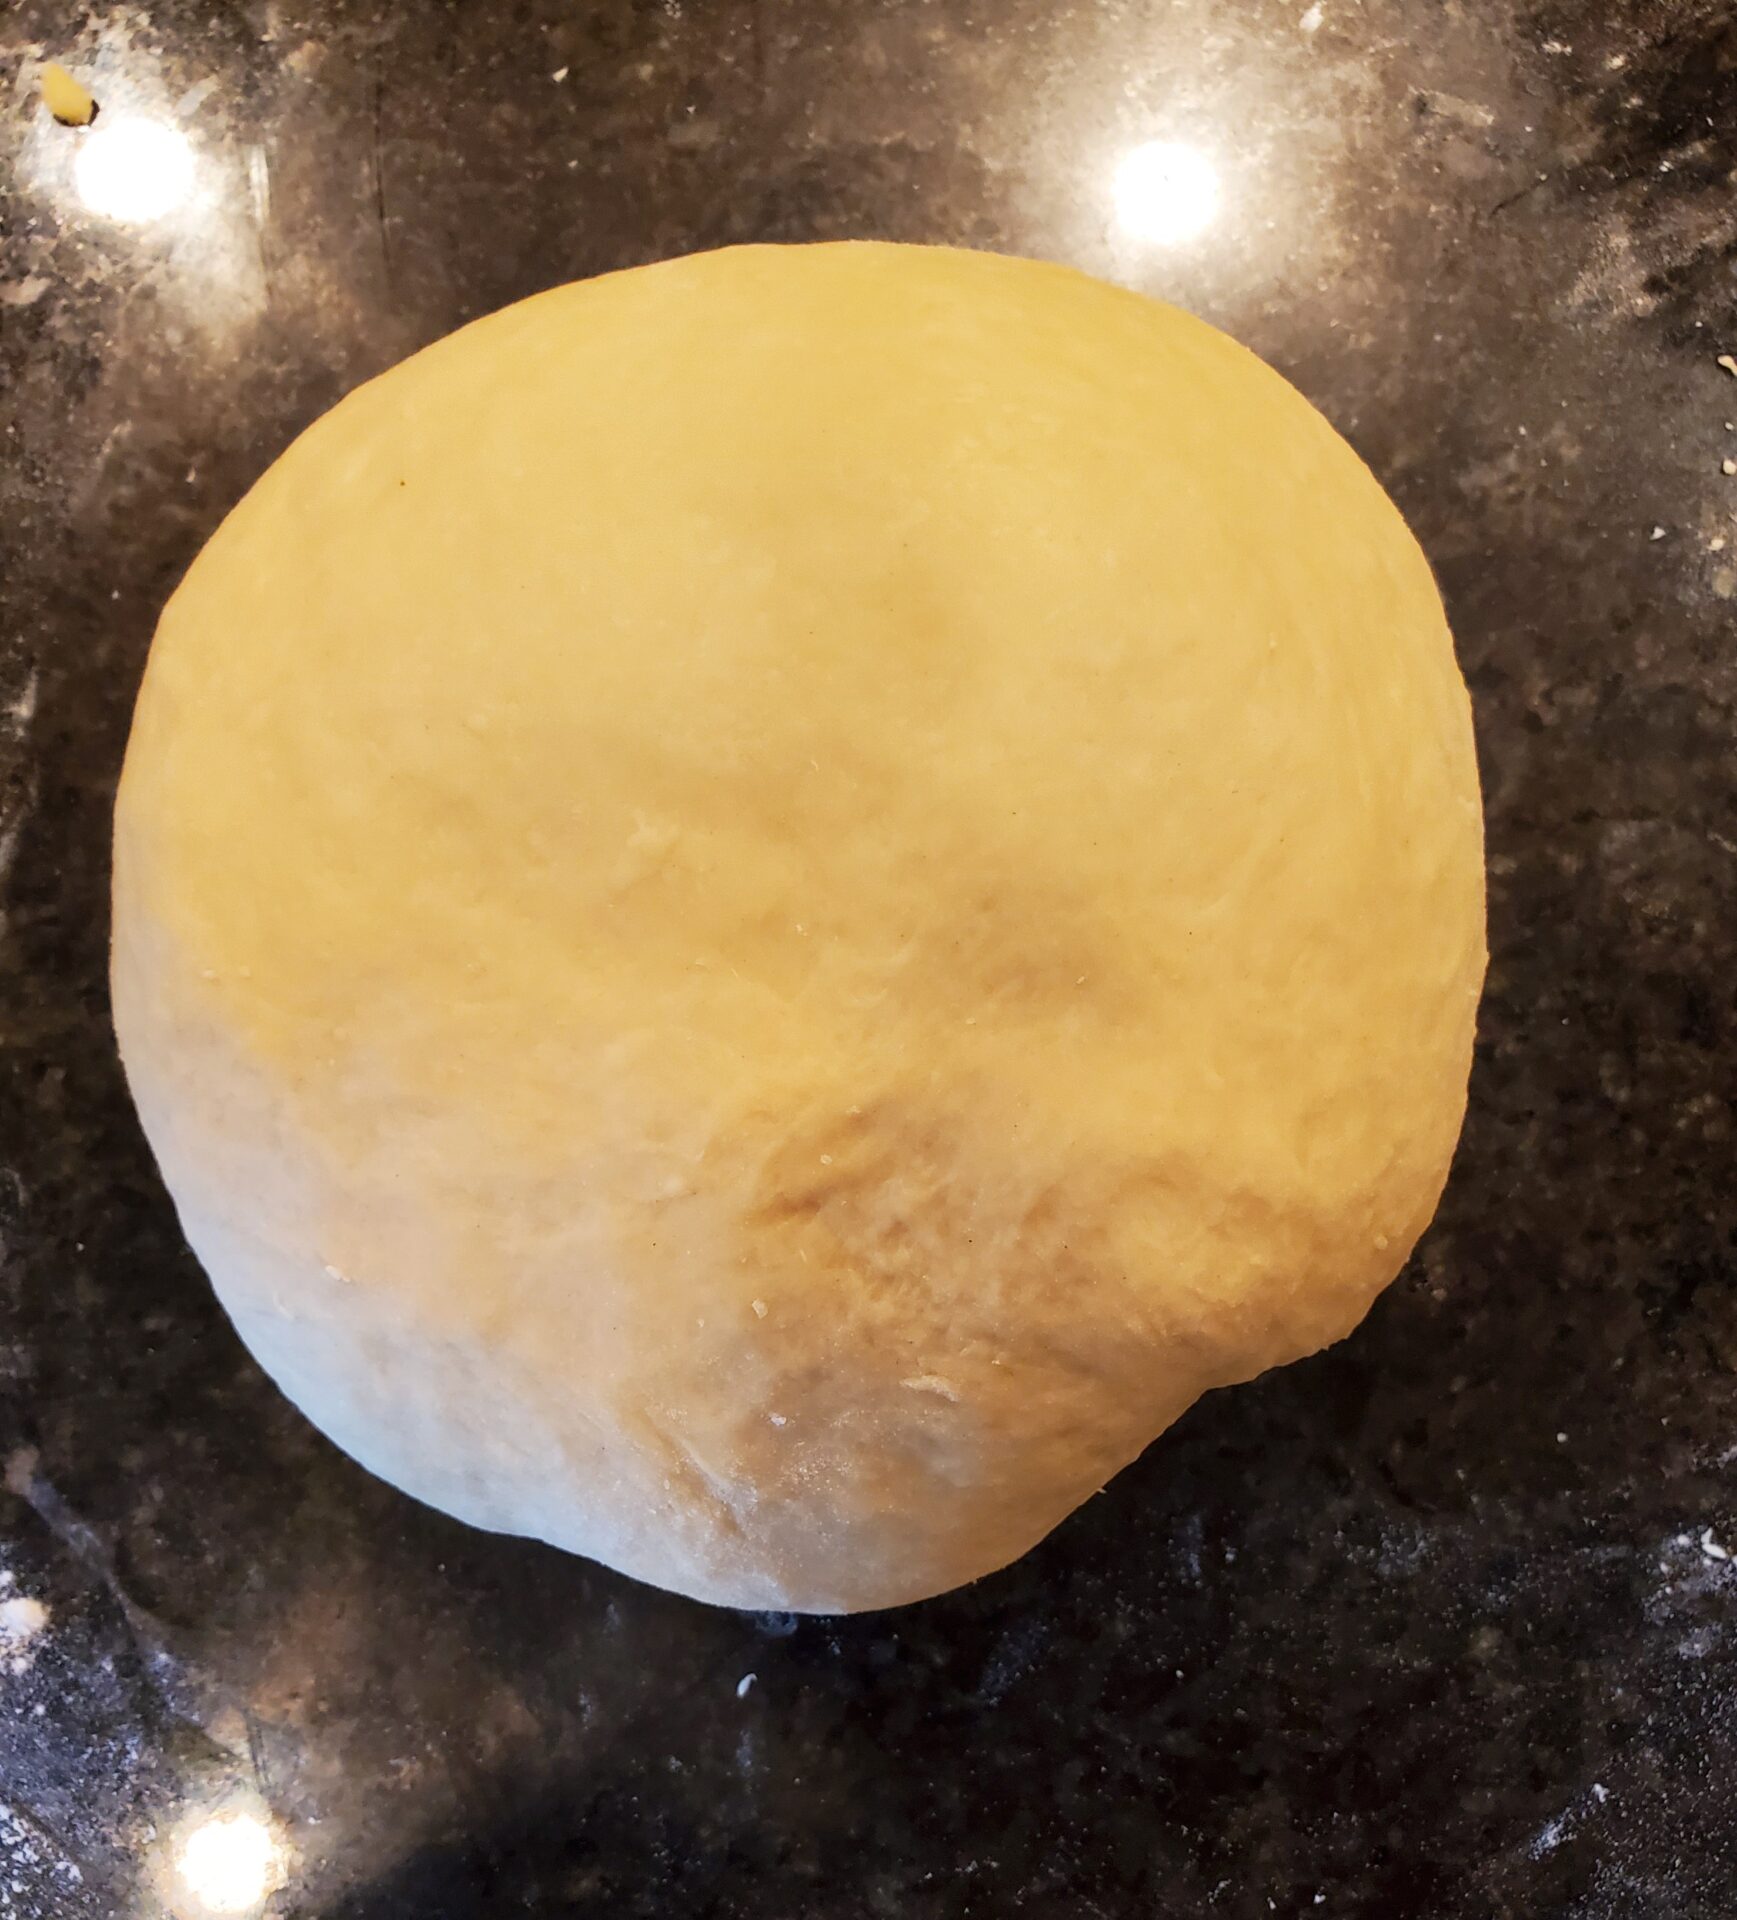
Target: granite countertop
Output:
{"points": [[1442, 1623]]}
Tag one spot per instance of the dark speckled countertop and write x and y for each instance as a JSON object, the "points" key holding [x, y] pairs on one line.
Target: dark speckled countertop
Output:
{"points": [[1439, 1624]]}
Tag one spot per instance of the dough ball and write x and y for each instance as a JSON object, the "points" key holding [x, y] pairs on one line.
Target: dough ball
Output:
{"points": [[766, 908]]}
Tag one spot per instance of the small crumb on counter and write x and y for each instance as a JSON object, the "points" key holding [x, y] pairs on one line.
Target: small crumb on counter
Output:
{"points": [[1729, 363], [21, 1620], [742, 1685], [71, 104]]}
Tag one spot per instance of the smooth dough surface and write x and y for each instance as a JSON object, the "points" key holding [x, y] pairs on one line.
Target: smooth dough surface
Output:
{"points": [[767, 907]]}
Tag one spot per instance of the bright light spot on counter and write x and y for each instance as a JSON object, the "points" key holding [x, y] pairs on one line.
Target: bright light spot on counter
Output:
{"points": [[1165, 192], [135, 170], [229, 1864]]}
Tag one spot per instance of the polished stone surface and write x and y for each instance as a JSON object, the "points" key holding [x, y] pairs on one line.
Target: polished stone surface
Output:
{"points": [[1438, 1624]]}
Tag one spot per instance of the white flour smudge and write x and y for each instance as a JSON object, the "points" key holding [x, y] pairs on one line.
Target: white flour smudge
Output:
{"points": [[1553, 1832], [23, 1850], [1549, 1837], [1695, 1594]]}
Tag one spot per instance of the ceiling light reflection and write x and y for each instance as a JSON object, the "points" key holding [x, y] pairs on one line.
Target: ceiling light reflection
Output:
{"points": [[1165, 192], [228, 1863], [134, 170]]}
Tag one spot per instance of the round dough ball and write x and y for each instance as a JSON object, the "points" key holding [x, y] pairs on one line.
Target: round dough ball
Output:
{"points": [[767, 907]]}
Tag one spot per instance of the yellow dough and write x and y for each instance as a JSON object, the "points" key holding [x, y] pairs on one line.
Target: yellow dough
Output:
{"points": [[71, 104], [766, 908]]}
